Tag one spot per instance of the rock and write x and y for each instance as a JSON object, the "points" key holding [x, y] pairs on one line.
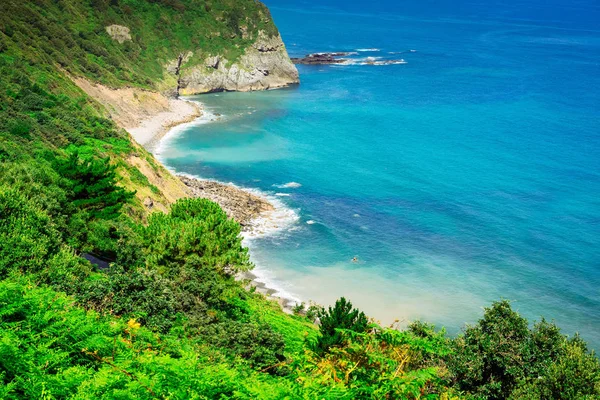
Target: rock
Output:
{"points": [[334, 58], [173, 66], [264, 65], [148, 203], [321, 58], [237, 203], [119, 33], [213, 62]]}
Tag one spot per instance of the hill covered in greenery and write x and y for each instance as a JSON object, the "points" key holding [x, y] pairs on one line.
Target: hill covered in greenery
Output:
{"points": [[167, 319]]}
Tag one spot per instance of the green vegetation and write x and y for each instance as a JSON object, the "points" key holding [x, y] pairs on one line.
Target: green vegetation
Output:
{"points": [[334, 320], [73, 35], [167, 319]]}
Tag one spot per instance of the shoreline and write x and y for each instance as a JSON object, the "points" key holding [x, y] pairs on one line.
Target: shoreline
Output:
{"points": [[153, 129], [258, 215]]}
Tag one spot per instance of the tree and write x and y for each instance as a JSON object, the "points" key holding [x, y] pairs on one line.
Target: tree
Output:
{"points": [[501, 358], [92, 185], [341, 316]]}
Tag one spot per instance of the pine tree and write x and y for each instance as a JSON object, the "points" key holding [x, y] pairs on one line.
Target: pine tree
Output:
{"points": [[92, 185], [341, 316]]}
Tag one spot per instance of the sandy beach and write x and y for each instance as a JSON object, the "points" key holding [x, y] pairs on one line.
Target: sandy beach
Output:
{"points": [[151, 130]]}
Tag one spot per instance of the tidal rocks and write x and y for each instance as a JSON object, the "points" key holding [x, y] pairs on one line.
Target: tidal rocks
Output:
{"points": [[322, 58], [237, 203], [344, 58]]}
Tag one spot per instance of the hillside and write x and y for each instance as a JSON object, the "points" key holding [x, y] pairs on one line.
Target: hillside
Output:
{"points": [[167, 319]]}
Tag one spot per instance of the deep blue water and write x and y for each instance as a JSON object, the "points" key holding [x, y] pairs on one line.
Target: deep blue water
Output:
{"points": [[469, 174]]}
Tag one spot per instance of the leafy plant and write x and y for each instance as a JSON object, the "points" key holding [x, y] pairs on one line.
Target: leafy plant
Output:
{"points": [[91, 185], [341, 316], [500, 357]]}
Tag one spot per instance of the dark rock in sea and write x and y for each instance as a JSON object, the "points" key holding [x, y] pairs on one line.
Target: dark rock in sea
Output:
{"points": [[321, 58], [339, 58]]}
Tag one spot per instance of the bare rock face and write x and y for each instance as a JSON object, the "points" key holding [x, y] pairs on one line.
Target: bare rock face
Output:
{"points": [[264, 65], [119, 33]]}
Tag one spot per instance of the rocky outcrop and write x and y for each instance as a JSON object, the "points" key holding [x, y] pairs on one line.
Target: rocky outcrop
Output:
{"points": [[119, 33], [264, 65], [237, 203], [348, 59], [322, 58]]}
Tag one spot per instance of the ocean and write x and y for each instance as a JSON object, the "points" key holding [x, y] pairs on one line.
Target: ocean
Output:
{"points": [[468, 173]]}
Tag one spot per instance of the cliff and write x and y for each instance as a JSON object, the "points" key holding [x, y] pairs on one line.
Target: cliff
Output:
{"points": [[264, 65]]}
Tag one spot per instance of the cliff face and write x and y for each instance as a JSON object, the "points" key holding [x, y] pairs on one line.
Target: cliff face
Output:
{"points": [[264, 65]]}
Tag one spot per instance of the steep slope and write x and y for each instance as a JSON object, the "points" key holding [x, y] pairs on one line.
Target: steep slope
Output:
{"points": [[264, 65], [158, 314], [212, 45], [132, 56]]}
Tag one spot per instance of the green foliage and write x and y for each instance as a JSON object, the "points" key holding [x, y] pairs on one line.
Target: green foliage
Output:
{"points": [[501, 357], [196, 231], [27, 235], [91, 186], [378, 363], [341, 316], [49, 348], [73, 35]]}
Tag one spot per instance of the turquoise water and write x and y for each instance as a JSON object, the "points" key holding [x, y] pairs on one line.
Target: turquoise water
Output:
{"points": [[469, 174]]}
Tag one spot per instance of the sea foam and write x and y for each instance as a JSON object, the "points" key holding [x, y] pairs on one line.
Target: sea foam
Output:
{"points": [[289, 185]]}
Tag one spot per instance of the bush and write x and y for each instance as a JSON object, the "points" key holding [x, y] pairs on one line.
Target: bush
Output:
{"points": [[27, 235], [341, 316], [91, 185], [198, 230], [500, 357]]}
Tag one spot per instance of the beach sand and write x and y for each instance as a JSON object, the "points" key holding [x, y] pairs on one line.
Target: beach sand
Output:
{"points": [[151, 130]]}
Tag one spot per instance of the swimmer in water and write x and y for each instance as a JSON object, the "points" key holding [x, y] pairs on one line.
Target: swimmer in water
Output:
{"points": [[354, 259]]}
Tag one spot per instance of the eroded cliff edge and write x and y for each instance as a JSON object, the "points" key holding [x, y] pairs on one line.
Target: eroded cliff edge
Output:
{"points": [[264, 65]]}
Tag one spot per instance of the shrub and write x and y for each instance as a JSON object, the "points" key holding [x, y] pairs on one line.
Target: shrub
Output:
{"points": [[500, 357], [91, 185], [341, 316], [27, 235]]}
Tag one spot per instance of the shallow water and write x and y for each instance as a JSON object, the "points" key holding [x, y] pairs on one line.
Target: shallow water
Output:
{"points": [[469, 174]]}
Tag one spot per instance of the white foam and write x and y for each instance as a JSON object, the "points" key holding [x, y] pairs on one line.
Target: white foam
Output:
{"points": [[282, 194], [310, 222], [372, 61], [289, 185], [371, 50]]}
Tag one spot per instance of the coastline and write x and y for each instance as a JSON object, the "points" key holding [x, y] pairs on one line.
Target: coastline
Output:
{"points": [[151, 130], [257, 214]]}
